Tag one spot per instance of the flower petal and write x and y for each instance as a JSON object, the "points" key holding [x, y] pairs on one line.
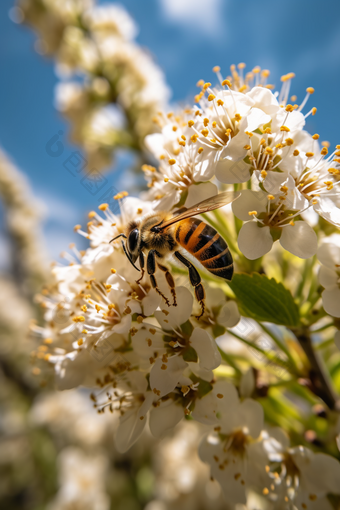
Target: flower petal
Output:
{"points": [[230, 171], [249, 201], [199, 192], [205, 346], [165, 417], [253, 241], [229, 315], [300, 240], [331, 301], [164, 377], [174, 316]]}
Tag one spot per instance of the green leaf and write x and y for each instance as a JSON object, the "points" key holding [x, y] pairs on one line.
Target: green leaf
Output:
{"points": [[190, 355], [264, 299]]}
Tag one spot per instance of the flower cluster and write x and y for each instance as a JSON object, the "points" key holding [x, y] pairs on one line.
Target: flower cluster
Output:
{"points": [[154, 352], [122, 88]]}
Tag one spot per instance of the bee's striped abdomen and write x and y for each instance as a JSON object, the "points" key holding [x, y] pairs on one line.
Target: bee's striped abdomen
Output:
{"points": [[206, 245]]}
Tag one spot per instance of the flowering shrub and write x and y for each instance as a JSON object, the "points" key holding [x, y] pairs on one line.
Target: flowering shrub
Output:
{"points": [[250, 367]]}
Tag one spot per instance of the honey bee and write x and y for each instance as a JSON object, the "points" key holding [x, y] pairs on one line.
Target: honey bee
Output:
{"points": [[163, 233]]}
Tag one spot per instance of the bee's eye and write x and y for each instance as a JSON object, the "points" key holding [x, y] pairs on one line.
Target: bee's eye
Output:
{"points": [[133, 240]]}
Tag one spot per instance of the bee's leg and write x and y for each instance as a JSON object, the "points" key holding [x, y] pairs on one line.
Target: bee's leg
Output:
{"points": [[151, 268], [195, 280], [170, 281], [141, 264]]}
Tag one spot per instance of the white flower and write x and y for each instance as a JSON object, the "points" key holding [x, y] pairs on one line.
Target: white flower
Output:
{"points": [[300, 478], [329, 273], [82, 481], [235, 450], [184, 166], [270, 221], [109, 19]]}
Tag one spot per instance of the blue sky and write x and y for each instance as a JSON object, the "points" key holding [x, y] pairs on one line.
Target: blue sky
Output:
{"points": [[187, 38]]}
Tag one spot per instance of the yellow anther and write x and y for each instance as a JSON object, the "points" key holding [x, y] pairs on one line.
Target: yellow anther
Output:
{"points": [[98, 308], [289, 141], [238, 117], [91, 214], [270, 197], [247, 147], [174, 128], [252, 213], [324, 151], [285, 129], [227, 133], [268, 150], [216, 69], [211, 97], [219, 395], [226, 82], [78, 318], [296, 152], [314, 110], [148, 168], [309, 154], [214, 124], [256, 70], [103, 207], [289, 108], [139, 210], [197, 112], [166, 179], [205, 122], [183, 137], [220, 102], [113, 271], [241, 65], [83, 308], [265, 73], [249, 134], [182, 143], [48, 341], [287, 77], [170, 114], [198, 97], [200, 83], [213, 140], [293, 98], [310, 90], [200, 150], [325, 144], [191, 123], [316, 136], [172, 161], [194, 138], [206, 85], [120, 195], [76, 228], [205, 132], [284, 189], [243, 88], [162, 156], [265, 491], [80, 341], [263, 174]]}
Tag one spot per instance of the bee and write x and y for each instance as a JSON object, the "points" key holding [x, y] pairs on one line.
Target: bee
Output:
{"points": [[163, 233]]}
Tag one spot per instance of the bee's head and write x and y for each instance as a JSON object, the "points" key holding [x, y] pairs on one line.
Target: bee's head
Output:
{"points": [[133, 242]]}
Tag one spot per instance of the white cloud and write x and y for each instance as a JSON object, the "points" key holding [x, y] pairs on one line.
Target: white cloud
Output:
{"points": [[199, 15]]}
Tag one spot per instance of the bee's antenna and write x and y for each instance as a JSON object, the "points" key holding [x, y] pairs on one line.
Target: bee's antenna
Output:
{"points": [[119, 235], [127, 254]]}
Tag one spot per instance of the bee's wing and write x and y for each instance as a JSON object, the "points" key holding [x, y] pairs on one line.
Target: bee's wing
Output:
{"points": [[210, 204]]}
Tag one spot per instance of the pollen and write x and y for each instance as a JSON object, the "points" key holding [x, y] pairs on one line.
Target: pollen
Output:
{"points": [[200, 150], [285, 129], [113, 271], [164, 366], [76, 228], [263, 174], [324, 151], [314, 110], [238, 117], [80, 342], [267, 131], [247, 147], [211, 97], [265, 491], [174, 128], [226, 82], [309, 154], [83, 308], [172, 161], [91, 214], [205, 132], [191, 123], [205, 122], [78, 318], [289, 108], [219, 395], [200, 83], [270, 197], [103, 207], [216, 69], [289, 141], [206, 85], [252, 213], [310, 90], [296, 152], [48, 341], [220, 102], [316, 136]]}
